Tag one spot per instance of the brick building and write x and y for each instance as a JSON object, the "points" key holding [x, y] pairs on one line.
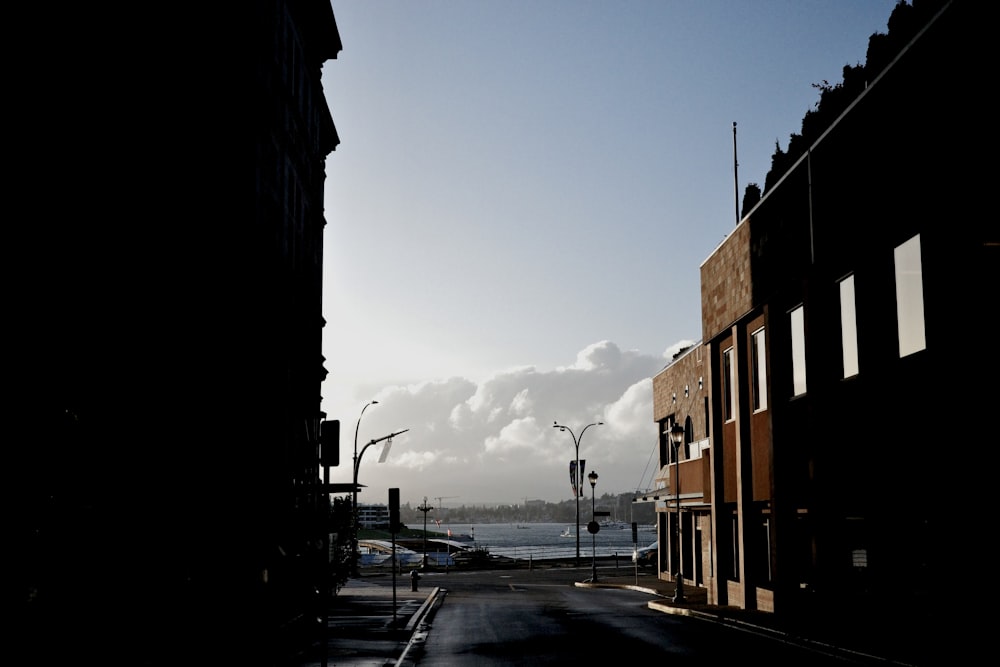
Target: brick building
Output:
{"points": [[834, 320]]}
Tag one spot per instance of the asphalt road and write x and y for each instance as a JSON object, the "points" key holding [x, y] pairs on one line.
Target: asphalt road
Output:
{"points": [[539, 617]]}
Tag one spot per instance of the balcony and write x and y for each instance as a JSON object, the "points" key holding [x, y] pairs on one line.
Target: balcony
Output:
{"points": [[695, 478]]}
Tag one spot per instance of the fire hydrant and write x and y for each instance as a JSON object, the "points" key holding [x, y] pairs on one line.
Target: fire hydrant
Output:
{"points": [[414, 578]]}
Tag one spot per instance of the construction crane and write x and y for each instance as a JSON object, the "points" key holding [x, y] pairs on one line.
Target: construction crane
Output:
{"points": [[440, 498]]}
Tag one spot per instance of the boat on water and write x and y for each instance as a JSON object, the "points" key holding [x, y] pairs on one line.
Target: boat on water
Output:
{"points": [[613, 524], [566, 533]]}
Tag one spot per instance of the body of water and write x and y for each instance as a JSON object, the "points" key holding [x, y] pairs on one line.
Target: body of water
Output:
{"points": [[539, 541]]}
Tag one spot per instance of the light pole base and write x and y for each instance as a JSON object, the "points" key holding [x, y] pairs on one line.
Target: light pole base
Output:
{"points": [[679, 590]]}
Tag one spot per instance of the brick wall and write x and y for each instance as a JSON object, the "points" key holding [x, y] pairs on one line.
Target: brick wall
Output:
{"points": [[725, 283]]}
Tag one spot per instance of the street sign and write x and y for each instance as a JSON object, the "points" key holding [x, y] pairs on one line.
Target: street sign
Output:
{"points": [[602, 513]]}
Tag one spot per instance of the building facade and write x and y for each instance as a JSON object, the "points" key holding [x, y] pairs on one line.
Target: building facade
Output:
{"points": [[680, 396], [167, 339], [373, 516], [829, 328]]}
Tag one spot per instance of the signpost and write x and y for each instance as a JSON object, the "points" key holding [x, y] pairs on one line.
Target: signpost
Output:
{"points": [[635, 550]]}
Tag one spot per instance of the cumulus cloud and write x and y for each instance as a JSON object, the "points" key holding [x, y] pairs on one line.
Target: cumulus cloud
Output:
{"points": [[493, 441]]}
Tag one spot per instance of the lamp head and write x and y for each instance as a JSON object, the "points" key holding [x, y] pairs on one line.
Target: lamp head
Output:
{"points": [[677, 434], [593, 479]]}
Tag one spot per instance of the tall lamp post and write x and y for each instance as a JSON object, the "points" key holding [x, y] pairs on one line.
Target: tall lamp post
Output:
{"points": [[593, 527], [425, 508], [354, 499], [357, 465], [578, 477], [676, 438]]}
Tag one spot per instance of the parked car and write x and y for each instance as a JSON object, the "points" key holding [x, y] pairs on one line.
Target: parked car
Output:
{"points": [[645, 556]]}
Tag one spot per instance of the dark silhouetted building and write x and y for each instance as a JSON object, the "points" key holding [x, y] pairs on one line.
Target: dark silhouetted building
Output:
{"points": [[164, 329], [829, 466]]}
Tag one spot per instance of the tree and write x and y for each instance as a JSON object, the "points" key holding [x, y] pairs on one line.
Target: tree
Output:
{"points": [[750, 198], [904, 23]]}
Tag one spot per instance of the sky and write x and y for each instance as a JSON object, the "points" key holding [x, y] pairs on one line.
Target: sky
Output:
{"points": [[517, 213]]}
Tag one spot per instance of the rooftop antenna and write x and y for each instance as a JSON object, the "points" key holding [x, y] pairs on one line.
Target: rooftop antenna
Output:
{"points": [[736, 180]]}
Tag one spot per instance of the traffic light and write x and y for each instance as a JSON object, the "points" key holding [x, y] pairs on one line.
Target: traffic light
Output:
{"points": [[329, 440], [393, 510]]}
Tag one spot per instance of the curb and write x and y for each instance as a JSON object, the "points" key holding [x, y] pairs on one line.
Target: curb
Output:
{"points": [[418, 628], [419, 614], [630, 587]]}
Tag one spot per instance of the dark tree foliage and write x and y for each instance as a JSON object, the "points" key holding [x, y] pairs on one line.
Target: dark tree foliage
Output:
{"points": [[779, 163], [905, 21], [340, 551], [750, 198]]}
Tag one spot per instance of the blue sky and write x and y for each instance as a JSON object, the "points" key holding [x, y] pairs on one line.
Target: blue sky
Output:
{"points": [[517, 212]]}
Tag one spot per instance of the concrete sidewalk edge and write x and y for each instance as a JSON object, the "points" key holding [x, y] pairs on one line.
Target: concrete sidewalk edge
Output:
{"points": [[417, 627]]}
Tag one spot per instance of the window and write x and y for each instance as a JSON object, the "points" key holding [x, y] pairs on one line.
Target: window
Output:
{"points": [[688, 439], [759, 368], [909, 297], [848, 327], [705, 409], [727, 385], [734, 572], [664, 443], [798, 352], [764, 567]]}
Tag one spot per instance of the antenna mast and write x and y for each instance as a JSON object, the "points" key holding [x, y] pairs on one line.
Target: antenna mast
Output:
{"points": [[736, 180]]}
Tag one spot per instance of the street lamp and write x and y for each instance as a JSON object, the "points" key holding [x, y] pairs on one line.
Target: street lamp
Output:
{"points": [[357, 465], [355, 556], [593, 520], [676, 438], [577, 477], [425, 508]]}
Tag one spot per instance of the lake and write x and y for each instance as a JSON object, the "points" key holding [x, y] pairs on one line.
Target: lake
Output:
{"points": [[539, 541]]}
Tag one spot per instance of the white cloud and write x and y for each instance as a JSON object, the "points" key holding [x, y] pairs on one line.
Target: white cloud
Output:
{"points": [[597, 356], [669, 353], [493, 441], [518, 435]]}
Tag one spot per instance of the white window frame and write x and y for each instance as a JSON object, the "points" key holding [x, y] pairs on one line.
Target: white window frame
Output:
{"points": [[848, 327], [798, 349], [758, 361], [728, 399], [909, 297]]}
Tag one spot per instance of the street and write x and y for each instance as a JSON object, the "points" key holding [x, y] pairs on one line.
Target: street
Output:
{"points": [[540, 618]]}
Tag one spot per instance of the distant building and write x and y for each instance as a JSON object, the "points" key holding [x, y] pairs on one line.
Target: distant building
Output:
{"points": [[373, 516]]}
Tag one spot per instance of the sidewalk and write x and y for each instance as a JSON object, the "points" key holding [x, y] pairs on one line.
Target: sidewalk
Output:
{"points": [[864, 636], [371, 625]]}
